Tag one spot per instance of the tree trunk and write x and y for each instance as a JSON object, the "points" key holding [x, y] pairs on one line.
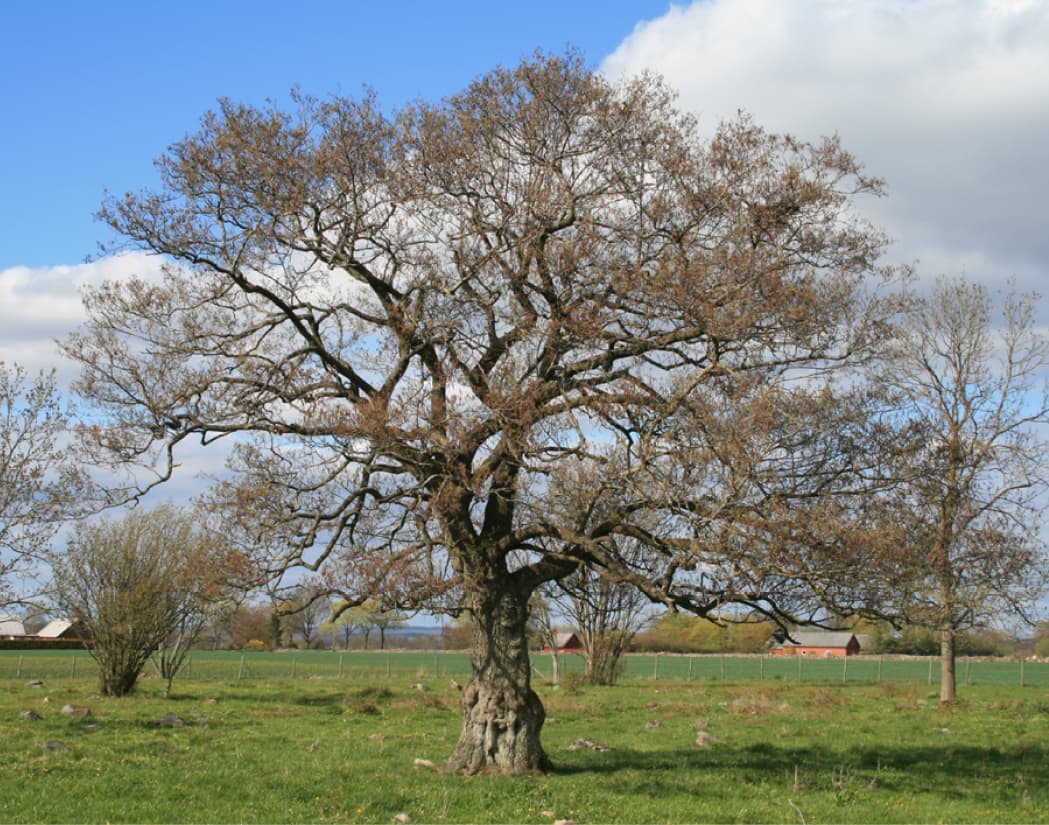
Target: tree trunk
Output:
{"points": [[502, 716], [947, 674], [116, 680]]}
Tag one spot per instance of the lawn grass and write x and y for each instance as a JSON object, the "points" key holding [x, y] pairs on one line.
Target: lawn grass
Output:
{"points": [[325, 749]]}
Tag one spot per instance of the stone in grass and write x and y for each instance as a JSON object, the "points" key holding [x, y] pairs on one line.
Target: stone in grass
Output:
{"points": [[56, 746], [171, 720], [564, 822], [35, 683], [422, 763], [588, 744], [31, 715], [402, 818], [652, 724], [75, 711]]}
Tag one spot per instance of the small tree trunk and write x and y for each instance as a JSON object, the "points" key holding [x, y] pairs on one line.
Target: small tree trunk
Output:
{"points": [[502, 716], [117, 680], [947, 672]]}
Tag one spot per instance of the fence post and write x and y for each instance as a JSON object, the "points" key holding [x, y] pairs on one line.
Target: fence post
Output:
{"points": [[240, 672], [761, 671], [845, 668], [1021, 671], [968, 675], [691, 661], [189, 667], [18, 672], [436, 670], [294, 662], [801, 675], [930, 670], [72, 674], [881, 660], [340, 665], [387, 665], [655, 671], [722, 667]]}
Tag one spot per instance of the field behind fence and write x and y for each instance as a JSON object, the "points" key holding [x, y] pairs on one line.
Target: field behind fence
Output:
{"points": [[422, 665]]}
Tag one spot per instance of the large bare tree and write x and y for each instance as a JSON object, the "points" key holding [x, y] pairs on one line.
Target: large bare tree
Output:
{"points": [[971, 396], [412, 323]]}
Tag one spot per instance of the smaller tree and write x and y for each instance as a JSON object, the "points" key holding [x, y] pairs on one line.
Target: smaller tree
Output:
{"points": [[964, 518], [1041, 642], [37, 480], [607, 616], [250, 623], [382, 620], [542, 615], [135, 583], [344, 621], [458, 634], [303, 613]]}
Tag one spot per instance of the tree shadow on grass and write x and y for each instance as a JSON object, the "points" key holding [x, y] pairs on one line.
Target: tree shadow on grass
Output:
{"points": [[958, 772]]}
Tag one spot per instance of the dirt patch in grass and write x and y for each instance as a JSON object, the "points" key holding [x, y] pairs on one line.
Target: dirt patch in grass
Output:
{"points": [[755, 701]]}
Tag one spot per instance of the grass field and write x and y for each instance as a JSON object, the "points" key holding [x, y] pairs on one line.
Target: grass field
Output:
{"points": [[225, 665], [319, 748]]}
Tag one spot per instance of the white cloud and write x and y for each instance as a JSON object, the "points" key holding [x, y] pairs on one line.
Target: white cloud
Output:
{"points": [[39, 306], [948, 100]]}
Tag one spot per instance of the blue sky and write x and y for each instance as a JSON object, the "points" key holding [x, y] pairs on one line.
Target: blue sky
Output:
{"points": [[948, 100], [93, 91]]}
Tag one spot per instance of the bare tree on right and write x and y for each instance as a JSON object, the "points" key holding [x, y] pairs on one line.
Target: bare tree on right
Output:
{"points": [[969, 395]]}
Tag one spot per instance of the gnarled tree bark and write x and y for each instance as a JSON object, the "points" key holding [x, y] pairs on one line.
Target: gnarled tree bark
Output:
{"points": [[502, 715]]}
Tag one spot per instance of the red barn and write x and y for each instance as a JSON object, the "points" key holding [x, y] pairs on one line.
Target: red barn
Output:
{"points": [[566, 643], [819, 643]]}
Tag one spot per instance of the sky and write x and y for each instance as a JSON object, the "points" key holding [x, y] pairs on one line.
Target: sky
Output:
{"points": [[947, 100]]}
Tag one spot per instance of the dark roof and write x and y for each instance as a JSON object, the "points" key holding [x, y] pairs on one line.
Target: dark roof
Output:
{"points": [[821, 638]]}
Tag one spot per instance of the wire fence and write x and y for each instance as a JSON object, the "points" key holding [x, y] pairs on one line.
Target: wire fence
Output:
{"points": [[420, 666]]}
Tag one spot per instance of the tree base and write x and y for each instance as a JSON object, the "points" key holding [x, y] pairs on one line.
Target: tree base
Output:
{"points": [[500, 733]]}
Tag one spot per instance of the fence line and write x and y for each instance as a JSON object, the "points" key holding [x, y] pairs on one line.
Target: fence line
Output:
{"points": [[419, 666]]}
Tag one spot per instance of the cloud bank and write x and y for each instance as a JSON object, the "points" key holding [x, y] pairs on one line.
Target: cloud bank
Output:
{"points": [[39, 306], [947, 100]]}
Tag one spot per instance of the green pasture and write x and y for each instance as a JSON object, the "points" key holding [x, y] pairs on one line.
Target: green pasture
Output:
{"points": [[319, 748], [380, 665]]}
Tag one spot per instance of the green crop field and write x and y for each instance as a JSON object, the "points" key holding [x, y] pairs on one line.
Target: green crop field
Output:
{"points": [[224, 665], [260, 746]]}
